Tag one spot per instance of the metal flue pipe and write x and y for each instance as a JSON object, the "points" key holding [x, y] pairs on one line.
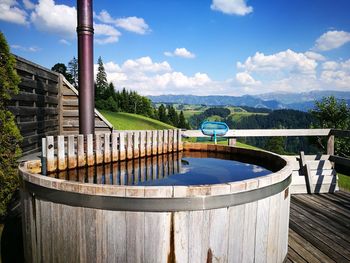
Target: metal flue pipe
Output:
{"points": [[85, 33]]}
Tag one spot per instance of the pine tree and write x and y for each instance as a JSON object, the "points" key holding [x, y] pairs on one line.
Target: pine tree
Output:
{"points": [[162, 114], [61, 68], [73, 71], [101, 80], [173, 117], [10, 137], [182, 121]]}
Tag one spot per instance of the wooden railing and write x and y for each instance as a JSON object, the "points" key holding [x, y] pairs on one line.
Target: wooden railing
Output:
{"points": [[67, 152], [329, 133]]}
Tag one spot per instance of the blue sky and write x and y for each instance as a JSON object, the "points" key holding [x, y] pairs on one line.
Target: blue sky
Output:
{"points": [[203, 47]]}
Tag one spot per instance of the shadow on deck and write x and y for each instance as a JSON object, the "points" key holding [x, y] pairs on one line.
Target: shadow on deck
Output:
{"points": [[319, 228]]}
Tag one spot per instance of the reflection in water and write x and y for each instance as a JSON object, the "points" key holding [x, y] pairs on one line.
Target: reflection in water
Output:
{"points": [[178, 168]]}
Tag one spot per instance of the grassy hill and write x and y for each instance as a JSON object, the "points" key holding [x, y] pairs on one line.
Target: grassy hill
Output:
{"points": [[129, 121]]}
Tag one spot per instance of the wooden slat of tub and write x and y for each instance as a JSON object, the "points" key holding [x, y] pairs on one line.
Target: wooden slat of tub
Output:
{"points": [[115, 230], [250, 214], [37, 218], [262, 229], [158, 229], [284, 223], [219, 225], [45, 219], [56, 218], [70, 241], [198, 243], [181, 236], [272, 243], [90, 233], [135, 229], [81, 235]]}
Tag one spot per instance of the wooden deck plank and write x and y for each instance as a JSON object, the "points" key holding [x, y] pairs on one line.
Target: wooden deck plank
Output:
{"points": [[330, 238], [305, 249], [319, 228]]}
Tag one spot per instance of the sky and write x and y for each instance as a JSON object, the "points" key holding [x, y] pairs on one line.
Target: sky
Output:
{"points": [[200, 47]]}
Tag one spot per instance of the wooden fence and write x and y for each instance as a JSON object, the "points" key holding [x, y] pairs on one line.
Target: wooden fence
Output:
{"points": [[72, 151], [46, 105]]}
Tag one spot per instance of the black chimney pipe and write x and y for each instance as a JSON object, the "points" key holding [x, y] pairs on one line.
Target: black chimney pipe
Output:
{"points": [[85, 32]]}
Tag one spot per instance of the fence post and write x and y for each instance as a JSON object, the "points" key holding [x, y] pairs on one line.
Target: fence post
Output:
{"points": [[81, 151], [61, 156], [330, 145], [90, 150], [43, 156], [72, 158], [122, 146], [115, 151], [50, 154]]}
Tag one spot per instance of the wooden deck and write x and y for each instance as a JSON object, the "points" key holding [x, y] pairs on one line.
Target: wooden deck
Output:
{"points": [[319, 228]]}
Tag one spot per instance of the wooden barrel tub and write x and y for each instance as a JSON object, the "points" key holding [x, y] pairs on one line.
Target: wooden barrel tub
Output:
{"points": [[244, 221]]}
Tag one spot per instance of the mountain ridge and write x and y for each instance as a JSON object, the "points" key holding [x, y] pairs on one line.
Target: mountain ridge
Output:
{"points": [[299, 101]]}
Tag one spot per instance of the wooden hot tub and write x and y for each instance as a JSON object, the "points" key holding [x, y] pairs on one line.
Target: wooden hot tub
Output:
{"points": [[244, 221]]}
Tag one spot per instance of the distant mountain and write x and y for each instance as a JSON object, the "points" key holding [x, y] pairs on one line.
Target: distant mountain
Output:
{"points": [[298, 101], [245, 100], [291, 98]]}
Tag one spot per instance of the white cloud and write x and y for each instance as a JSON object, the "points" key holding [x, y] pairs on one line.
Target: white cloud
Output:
{"points": [[330, 65], [28, 4], [287, 62], [232, 7], [105, 17], [25, 49], [245, 79], [106, 34], [65, 42], [10, 12], [52, 18], [149, 77], [132, 23], [336, 75], [315, 56], [289, 71], [331, 40], [180, 52], [145, 64]]}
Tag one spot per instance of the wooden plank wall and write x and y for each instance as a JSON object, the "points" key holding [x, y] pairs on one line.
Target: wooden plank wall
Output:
{"points": [[36, 105], [46, 105], [74, 151], [69, 123]]}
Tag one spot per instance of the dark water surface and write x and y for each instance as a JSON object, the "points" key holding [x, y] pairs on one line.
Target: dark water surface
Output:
{"points": [[180, 168]]}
